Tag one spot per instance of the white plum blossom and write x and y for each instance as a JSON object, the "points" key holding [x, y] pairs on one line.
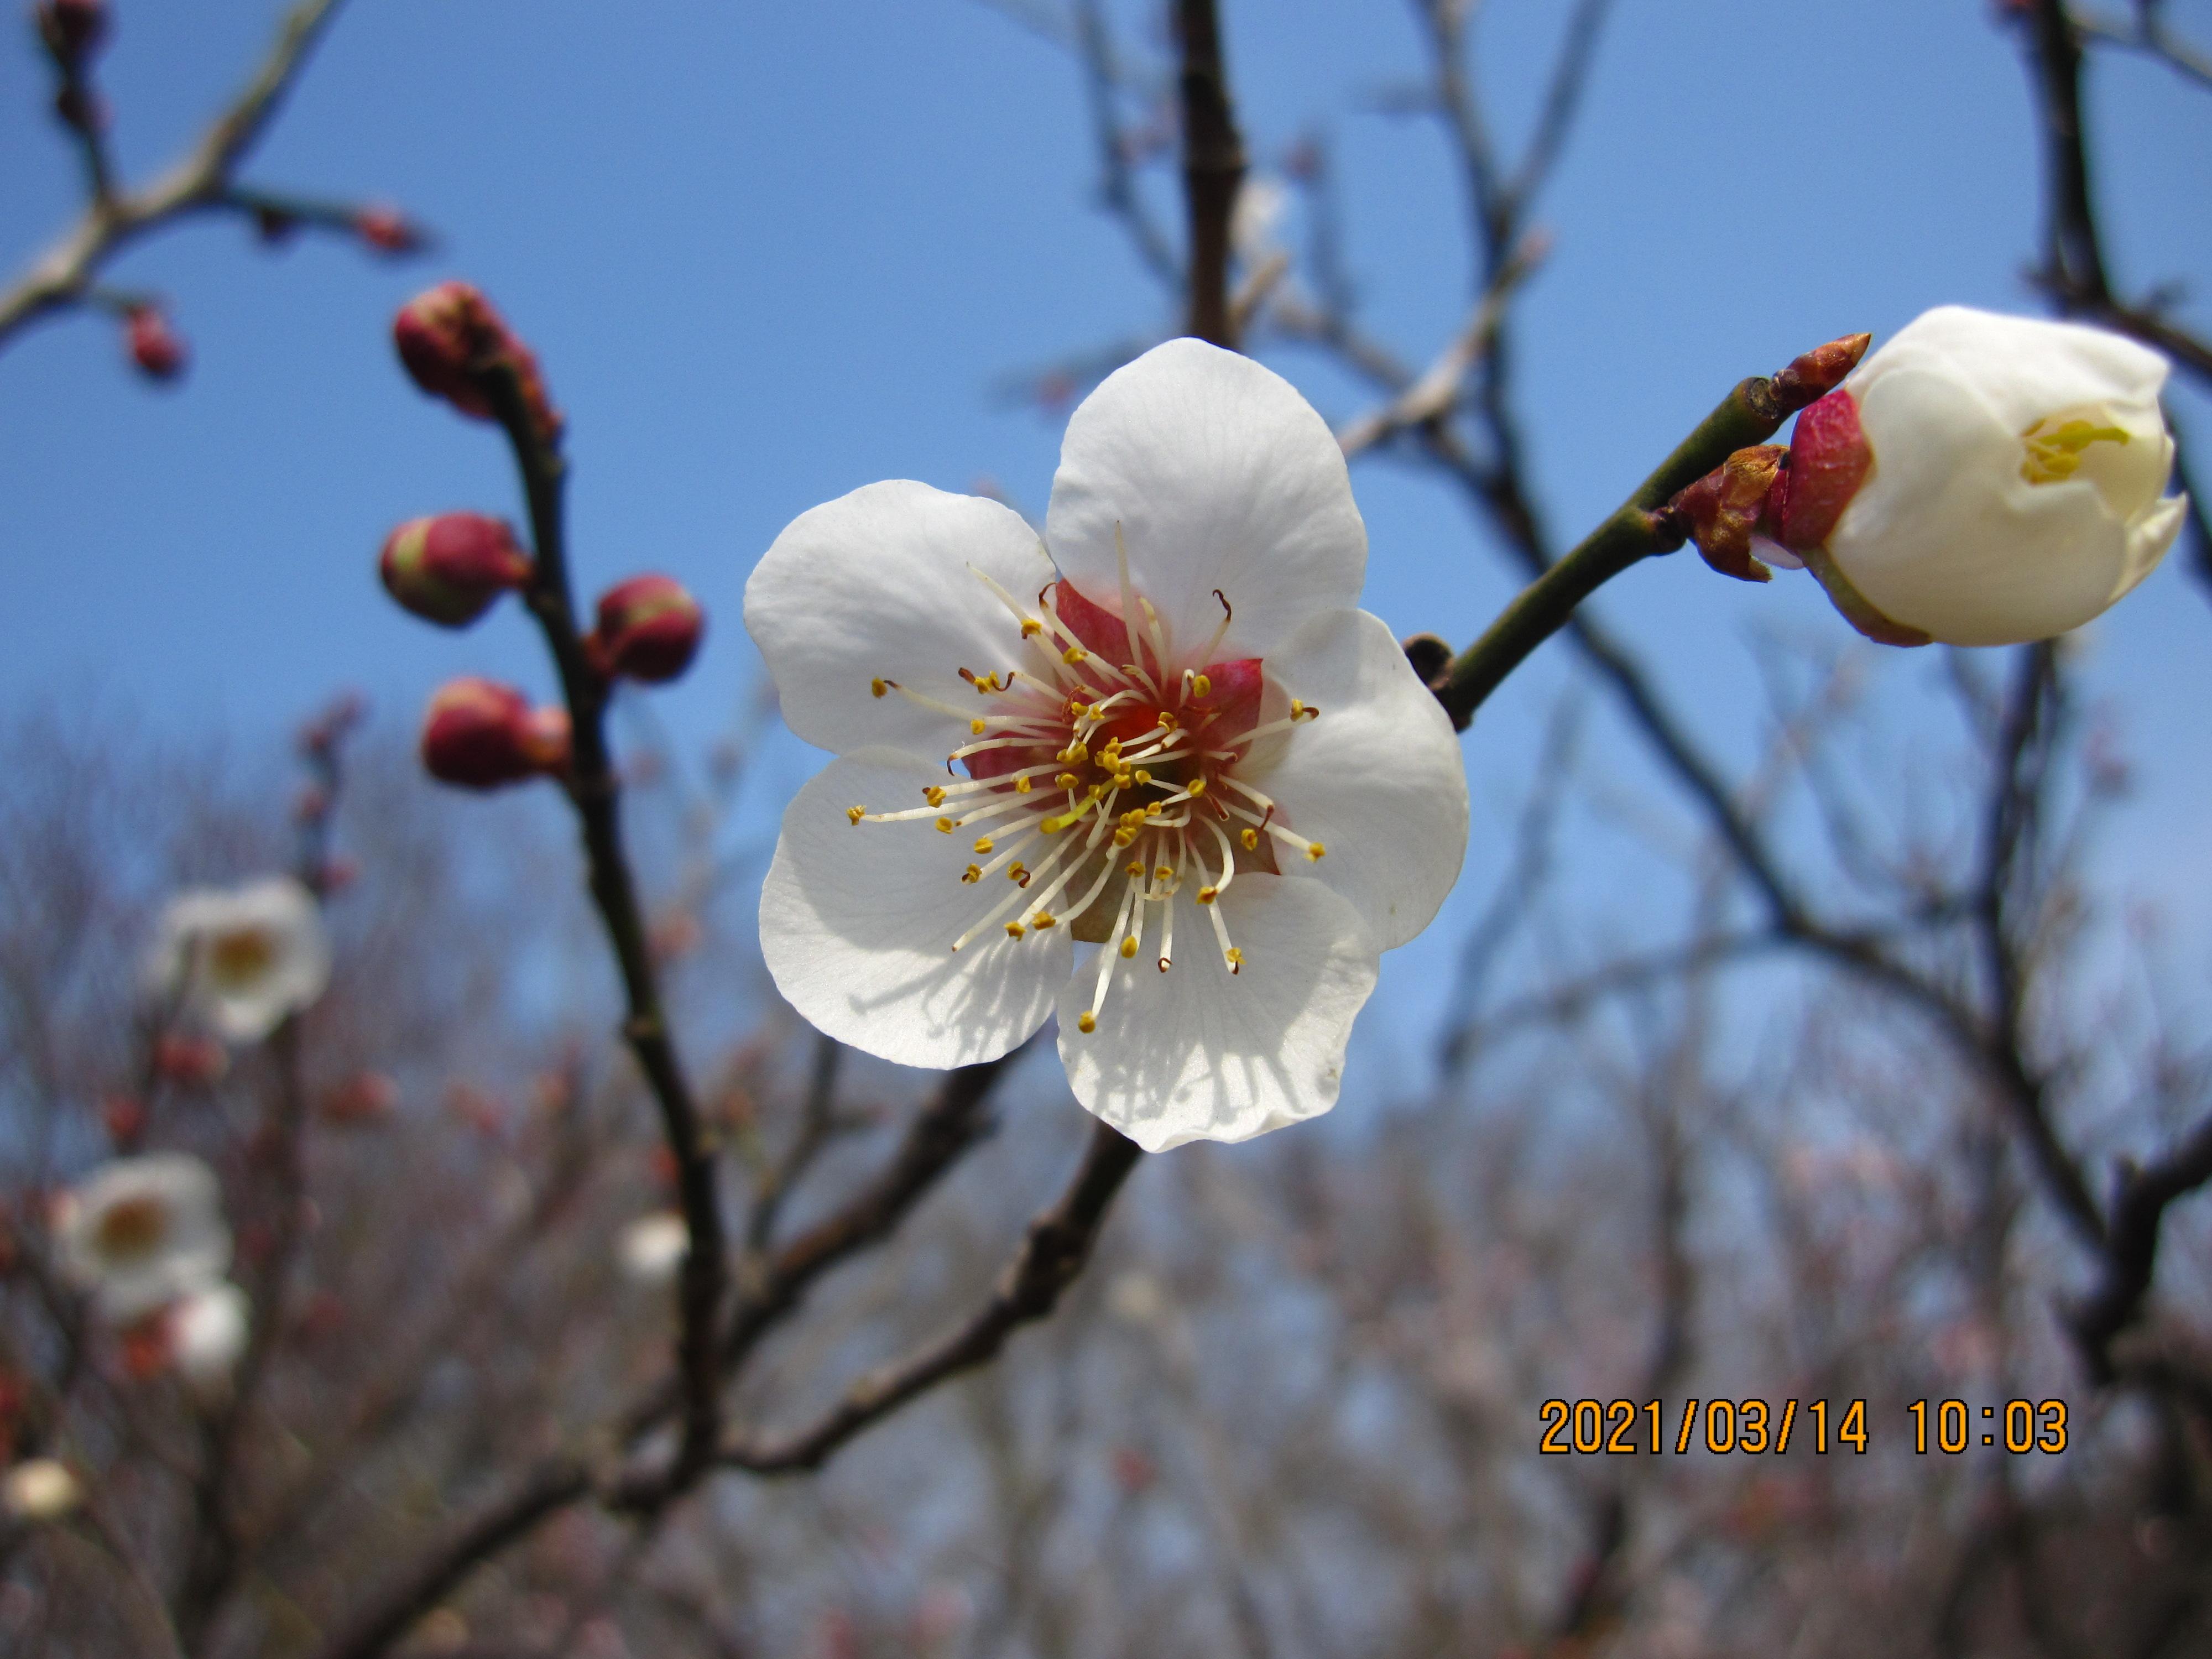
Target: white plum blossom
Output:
{"points": [[1163, 729], [242, 958], [40, 1489], [208, 1332], [140, 1232], [1984, 480], [653, 1246]]}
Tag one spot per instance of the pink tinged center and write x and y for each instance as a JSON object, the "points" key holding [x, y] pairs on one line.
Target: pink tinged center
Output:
{"points": [[1829, 460], [1103, 767]]}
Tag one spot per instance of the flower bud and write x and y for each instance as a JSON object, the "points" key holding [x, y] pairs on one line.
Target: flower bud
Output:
{"points": [[450, 334], [448, 570], [649, 629], [72, 30], [154, 346], [1722, 511], [40, 1489], [480, 734], [387, 230], [1982, 480]]}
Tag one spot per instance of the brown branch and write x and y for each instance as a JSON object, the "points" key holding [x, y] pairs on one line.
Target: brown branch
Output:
{"points": [[596, 791], [1052, 1253], [2141, 1198], [1212, 167], [63, 275]]}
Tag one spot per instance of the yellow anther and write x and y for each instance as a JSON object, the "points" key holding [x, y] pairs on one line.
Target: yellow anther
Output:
{"points": [[1136, 870], [1015, 930], [1167, 722], [1129, 946], [944, 826], [1019, 874], [978, 726], [1315, 851], [1043, 920], [1251, 840], [983, 844], [1065, 781], [1073, 655], [974, 874], [1199, 685], [1162, 873], [1125, 780], [1076, 754], [1143, 776], [1303, 711], [1086, 1021], [1124, 835], [1031, 627], [1153, 808], [1096, 790], [1197, 787], [1021, 786], [2056, 454], [854, 814], [1207, 894], [934, 794], [876, 688], [1235, 958]]}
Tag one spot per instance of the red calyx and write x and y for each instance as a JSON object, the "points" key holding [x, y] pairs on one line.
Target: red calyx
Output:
{"points": [[450, 567], [479, 734], [155, 348], [649, 629], [450, 334], [1828, 461], [387, 230]]}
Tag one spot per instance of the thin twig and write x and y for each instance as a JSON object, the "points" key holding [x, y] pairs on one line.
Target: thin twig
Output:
{"points": [[1212, 167]]}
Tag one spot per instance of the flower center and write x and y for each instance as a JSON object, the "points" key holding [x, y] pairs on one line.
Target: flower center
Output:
{"points": [[2057, 445], [131, 1229], [238, 957], [1102, 779]]}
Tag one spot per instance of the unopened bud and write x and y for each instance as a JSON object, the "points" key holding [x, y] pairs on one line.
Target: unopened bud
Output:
{"points": [[1429, 655], [80, 109], [40, 1489], [480, 734], [1819, 371], [450, 335], [72, 30], [366, 1098], [1725, 509], [123, 1117], [155, 348], [649, 629], [387, 230], [189, 1059], [449, 568]]}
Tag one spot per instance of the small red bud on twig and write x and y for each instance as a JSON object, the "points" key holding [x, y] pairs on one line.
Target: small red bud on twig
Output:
{"points": [[80, 109], [450, 334], [387, 230], [155, 348], [480, 734], [1726, 508], [124, 1116], [1820, 371], [72, 30], [450, 568], [649, 629], [192, 1061], [365, 1097]]}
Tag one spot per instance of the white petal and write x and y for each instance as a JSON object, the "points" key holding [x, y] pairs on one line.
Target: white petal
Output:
{"points": [[194, 1248], [877, 585], [1219, 475], [1949, 538], [297, 972], [1377, 779], [2026, 367], [1199, 1053], [208, 1330], [858, 921], [2150, 534]]}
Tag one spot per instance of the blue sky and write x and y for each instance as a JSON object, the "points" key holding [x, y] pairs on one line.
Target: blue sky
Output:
{"points": [[769, 253]]}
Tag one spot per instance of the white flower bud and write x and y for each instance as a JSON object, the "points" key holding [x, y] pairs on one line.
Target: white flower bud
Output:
{"points": [[208, 1332], [1985, 480], [653, 1247], [40, 1489]]}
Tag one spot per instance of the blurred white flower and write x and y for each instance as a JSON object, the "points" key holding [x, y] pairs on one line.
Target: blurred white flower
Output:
{"points": [[1263, 202], [242, 958], [651, 1247], [40, 1489], [207, 1333], [1166, 721], [1983, 480], [140, 1232]]}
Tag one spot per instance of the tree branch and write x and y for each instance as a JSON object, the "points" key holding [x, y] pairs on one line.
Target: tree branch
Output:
{"points": [[1212, 168], [2141, 1197]]}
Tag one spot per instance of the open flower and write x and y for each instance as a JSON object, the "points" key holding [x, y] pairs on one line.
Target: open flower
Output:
{"points": [[142, 1232], [242, 958], [1982, 480], [1163, 730]]}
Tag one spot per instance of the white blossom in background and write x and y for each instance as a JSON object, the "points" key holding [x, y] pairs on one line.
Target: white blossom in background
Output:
{"points": [[1983, 480], [651, 1247], [242, 958], [141, 1232], [1163, 728], [207, 1333], [40, 1489]]}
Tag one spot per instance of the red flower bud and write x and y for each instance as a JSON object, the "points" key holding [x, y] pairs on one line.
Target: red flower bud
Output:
{"points": [[72, 28], [387, 230], [80, 109], [154, 346], [364, 1098], [193, 1062], [649, 629], [480, 734], [124, 1118], [448, 570], [450, 334], [1828, 461]]}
